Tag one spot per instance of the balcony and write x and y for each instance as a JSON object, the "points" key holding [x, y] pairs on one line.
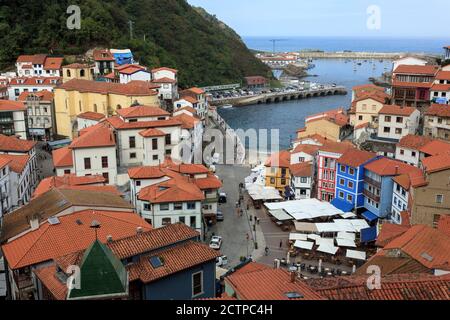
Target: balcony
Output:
{"points": [[371, 195], [372, 182]]}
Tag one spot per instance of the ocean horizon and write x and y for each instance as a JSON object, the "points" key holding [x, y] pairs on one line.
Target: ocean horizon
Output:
{"points": [[432, 45]]}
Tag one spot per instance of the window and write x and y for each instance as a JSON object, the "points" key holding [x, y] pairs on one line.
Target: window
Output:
{"points": [[104, 162], [67, 171], [350, 184], [399, 120], [349, 198], [182, 220], [155, 157], [402, 152], [386, 130], [166, 221], [398, 131], [439, 198], [303, 180], [68, 74], [301, 159], [178, 206], [164, 207], [155, 144], [413, 153], [87, 163], [133, 155], [138, 183], [168, 139], [342, 168], [191, 205], [197, 284], [342, 182], [272, 180], [147, 207], [82, 73], [132, 141], [387, 118], [341, 195], [351, 171], [360, 118], [193, 222], [106, 176], [283, 181]]}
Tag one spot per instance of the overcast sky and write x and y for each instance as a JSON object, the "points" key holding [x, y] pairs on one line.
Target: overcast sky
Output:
{"points": [[399, 18]]}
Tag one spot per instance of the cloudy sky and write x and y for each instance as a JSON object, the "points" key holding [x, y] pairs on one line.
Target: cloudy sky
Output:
{"points": [[398, 18]]}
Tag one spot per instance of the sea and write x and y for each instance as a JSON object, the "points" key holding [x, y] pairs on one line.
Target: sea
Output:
{"points": [[289, 116]]}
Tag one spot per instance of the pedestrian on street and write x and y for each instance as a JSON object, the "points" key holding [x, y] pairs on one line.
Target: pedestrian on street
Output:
{"points": [[266, 250], [281, 244]]}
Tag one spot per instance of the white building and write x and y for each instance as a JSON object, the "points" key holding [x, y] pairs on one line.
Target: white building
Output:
{"points": [[39, 65], [410, 61], [5, 186], [301, 179], [40, 114], [447, 53], [440, 91], [191, 135], [395, 122], [13, 121], [92, 153], [132, 72], [89, 119], [33, 84], [412, 149], [198, 100], [400, 197]]}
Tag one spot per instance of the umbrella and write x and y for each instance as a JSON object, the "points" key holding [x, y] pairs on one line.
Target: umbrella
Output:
{"points": [[320, 265], [354, 268]]}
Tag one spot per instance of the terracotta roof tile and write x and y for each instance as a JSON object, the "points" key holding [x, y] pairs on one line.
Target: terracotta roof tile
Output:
{"points": [[164, 80], [97, 136], [303, 169], [388, 232], [444, 224], [402, 84], [188, 122], [52, 241], [89, 115], [47, 275], [13, 144], [62, 157], [9, 105], [103, 55], [443, 75], [43, 95], [435, 147], [117, 123], [306, 148], [210, 182], [414, 142], [397, 110], [389, 167], [280, 159], [164, 69], [152, 133], [134, 88], [440, 110], [142, 112], [416, 69], [437, 163], [53, 63], [147, 172], [17, 162], [67, 180], [36, 81], [355, 158]]}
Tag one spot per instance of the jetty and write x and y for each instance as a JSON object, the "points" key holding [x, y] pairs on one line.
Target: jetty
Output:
{"points": [[274, 97], [360, 55]]}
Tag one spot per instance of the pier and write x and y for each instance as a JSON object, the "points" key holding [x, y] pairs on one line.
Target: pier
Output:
{"points": [[274, 97], [361, 55]]}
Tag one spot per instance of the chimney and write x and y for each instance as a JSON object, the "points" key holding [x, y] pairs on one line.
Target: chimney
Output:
{"points": [[34, 222], [293, 276], [109, 238], [139, 230], [396, 170]]}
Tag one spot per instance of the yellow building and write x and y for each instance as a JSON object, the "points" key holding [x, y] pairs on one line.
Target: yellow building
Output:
{"points": [[79, 96], [77, 71], [332, 124], [277, 170], [366, 110]]}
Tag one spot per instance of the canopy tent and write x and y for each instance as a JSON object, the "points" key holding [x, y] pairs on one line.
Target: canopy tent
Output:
{"points": [[280, 215], [260, 192], [328, 249], [298, 236], [325, 241], [308, 245], [332, 227], [348, 215], [369, 216], [314, 236], [358, 255], [346, 235], [306, 209], [342, 205], [356, 224], [305, 227], [346, 243]]}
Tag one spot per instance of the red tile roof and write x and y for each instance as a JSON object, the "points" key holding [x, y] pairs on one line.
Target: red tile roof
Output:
{"points": [[306, 148], [303, 169], [394, 287], [388, 232], [389, 167], [194, 90], [336, 147], [52, 241], [62, 157], [9, 105], [188, 122], [269, 284], [440, 87], [142, 112], [435, 147], [131, 69], [444, 224], [362, 125], [424, 244], [177, 189], [210, 182], [437, 163], [34, 81], [133, 88], [66, 180], [53, 63], [280, 159], [402, 84], [43, 95], [47, 275], [186, 168], [164, 80], [89, 115], [152, 133], [17, 162], [13, 144], [443, 75], [97, 136], [176, 259], [416, 69], [355, 158], [440, 110], [103, 55], [189, 99], [189, 109], [149, 172], [119, 124], [4, 162], [336, 116], [414, 142], [397, 110], [164, 69]]}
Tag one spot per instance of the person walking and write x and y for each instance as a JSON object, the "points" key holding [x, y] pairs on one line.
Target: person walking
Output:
{"points": [[281, 244], [266, 250]]}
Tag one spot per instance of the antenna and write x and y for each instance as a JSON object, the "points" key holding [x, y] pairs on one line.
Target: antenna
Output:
{"points": [[130, 23], [95, 225], [274, 42]]}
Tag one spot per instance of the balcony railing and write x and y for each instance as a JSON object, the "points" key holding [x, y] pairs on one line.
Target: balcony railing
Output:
{"points": [[371, 195], [372, 182]]}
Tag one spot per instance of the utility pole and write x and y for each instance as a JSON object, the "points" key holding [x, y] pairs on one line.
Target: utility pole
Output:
{"points": [[130, 23]]}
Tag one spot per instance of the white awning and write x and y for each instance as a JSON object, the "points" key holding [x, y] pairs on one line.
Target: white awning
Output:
{"points": [[328, 249], [346, 235], [348, 215], [280, 215], [305, 227], [333, 227], [306, 209], [359, 255], [308, 245], [260, 192], [346, 243], [325, 241], [298, 236], [314, 236]]}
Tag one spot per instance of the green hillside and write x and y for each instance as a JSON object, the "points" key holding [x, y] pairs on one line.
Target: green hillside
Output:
{"points": [[169, 33]]}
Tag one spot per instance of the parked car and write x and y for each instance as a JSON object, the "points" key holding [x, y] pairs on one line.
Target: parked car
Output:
{"points": [[215, 243], [222, 197], [222, 261], [219, 216]]}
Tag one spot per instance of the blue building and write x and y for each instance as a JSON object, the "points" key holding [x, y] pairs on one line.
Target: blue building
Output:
{"points": [[378, 186], [123, 56], [350, 179]]}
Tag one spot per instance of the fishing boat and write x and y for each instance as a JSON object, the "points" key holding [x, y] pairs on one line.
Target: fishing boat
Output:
{"points": [[227, 106]]}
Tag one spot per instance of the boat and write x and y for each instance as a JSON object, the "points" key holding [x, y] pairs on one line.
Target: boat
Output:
{"points": [[227, 106]]}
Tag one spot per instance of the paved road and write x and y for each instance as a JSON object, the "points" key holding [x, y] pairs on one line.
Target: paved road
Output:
{"points": [[234, 228], [44, 162]]}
